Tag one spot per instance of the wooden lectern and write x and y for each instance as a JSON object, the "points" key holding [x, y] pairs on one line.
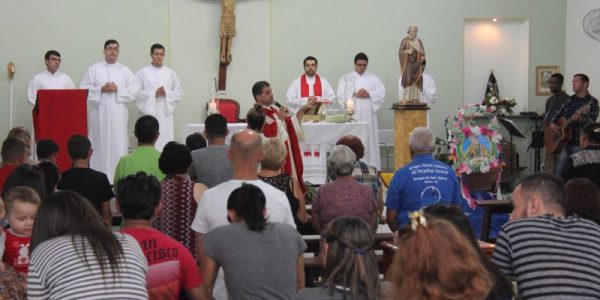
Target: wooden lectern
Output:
{"points": [[407, 116], [58, 115]]}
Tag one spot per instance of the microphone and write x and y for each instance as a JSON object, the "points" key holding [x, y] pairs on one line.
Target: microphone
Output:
{"points": [[277, 104]]}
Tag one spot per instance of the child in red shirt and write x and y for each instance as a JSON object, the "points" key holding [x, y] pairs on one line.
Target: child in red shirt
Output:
{"points": [[21, 206]]}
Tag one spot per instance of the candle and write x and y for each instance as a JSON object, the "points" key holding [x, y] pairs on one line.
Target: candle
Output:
{"points": [[350, 105], [212, 106]]}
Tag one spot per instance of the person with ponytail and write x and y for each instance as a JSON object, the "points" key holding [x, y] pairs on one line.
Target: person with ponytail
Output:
{"points": [[586, 162], [350, 267], [260, 259], [434, 261]]}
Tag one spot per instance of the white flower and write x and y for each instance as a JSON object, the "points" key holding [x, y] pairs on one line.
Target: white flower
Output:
{"points": [[484, 167], [496, 138], [503, 110], [493, 100], [476, 130]]}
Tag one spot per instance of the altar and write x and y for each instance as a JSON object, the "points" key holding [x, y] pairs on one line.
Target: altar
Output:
{"points": [[319, 139]]}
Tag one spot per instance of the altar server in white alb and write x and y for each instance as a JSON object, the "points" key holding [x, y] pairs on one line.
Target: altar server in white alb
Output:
{"points": [[429, 92], [369, 94], [309, 86], [51, 79], [160, 91], [111, 85]]}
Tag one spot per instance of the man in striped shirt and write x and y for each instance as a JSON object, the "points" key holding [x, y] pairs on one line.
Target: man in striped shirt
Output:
{"points": [[550, 255]]}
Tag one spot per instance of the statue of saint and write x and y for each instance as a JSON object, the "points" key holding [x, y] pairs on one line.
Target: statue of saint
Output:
{"points": [[227, 29], [412, 55]]}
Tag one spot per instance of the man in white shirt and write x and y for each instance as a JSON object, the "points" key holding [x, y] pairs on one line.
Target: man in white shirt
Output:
{"points": [[245, 154], [369, 93], [429, 92], [309, 86], [51, 79], [160, 91], [111, 85]]}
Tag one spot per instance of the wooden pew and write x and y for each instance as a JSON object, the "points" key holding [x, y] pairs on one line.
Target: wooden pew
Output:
{"points": [[313, 265]]}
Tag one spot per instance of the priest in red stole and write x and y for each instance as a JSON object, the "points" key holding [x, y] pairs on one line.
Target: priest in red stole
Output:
{"points": [[288, 129], [309, 86]]}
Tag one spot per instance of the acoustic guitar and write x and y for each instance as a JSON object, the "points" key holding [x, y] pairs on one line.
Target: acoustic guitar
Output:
{"points": [[556, 141]]}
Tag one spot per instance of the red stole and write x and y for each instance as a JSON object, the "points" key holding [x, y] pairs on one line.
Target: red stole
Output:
{"points": [[270, 131], [317, 89]]}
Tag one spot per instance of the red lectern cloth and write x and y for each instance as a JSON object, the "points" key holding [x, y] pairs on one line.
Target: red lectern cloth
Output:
{"points": [[58, 115]]}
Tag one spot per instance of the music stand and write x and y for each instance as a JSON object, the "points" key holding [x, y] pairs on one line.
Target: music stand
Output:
{"points": [[512, 129]]}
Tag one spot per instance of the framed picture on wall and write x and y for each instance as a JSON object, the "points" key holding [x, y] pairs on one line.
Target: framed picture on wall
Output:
{"points": [[542, 74]]}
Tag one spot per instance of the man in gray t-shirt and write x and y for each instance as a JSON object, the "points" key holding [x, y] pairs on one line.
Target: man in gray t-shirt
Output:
{"points": [[257, 265], [211, 166]]}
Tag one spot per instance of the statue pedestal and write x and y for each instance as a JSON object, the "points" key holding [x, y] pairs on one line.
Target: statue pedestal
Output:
{"points": [[407, 116]]}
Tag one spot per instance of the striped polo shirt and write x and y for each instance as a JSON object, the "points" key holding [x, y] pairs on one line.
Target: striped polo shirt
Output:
{"points": [[550, 257]]}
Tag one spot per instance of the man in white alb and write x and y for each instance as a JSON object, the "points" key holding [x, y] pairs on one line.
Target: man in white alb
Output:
{"points": [[111, 85], [370, 95], [429, 92], [309, 86], [51, 79], [160, 91]]}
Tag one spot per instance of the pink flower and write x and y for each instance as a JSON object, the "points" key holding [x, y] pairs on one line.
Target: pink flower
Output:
{"points": [[464, 168], [467, 131], [494, 164]]}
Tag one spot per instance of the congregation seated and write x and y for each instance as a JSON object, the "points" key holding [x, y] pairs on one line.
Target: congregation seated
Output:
{"points": [[422, 182], [69, 232], [350, 266], [179, 197], [344, 196], [501, 286], [196, 141], [91, 184], [211, 166], [583, 199], [26, 175], [145, 157], [138, 197], [260, 259], [586, 162], [14, 153], [46, 150], [434, 261], [363, 172], [274, 154], [245, 154], [51, 175], [541, 237]]}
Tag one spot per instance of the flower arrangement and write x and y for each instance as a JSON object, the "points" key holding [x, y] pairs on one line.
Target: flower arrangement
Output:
{"points": [[499, 106], [474, 148]]}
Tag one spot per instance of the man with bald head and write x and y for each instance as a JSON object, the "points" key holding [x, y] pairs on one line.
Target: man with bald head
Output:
{"points": [[245, 153]]}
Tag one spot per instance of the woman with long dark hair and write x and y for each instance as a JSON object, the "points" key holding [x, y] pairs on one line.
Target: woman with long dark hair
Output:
{"points": [[260, 260], [350, 267], [74, 255]]}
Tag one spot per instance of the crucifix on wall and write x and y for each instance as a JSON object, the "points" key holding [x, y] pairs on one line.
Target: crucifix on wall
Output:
{"points": [[227, 34]]}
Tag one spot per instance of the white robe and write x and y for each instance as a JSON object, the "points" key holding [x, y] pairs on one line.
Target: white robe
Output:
{"points": [[162, 108], [429, 93], [108, 114], [294, 101], [365, 109], [48, 81]]}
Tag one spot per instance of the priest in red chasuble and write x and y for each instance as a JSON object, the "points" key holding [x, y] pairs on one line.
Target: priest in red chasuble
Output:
{"points": [[279, 124]]}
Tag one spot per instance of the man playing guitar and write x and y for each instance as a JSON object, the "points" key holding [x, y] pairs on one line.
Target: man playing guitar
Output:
{"points": [[579, 110], [553, 105]]}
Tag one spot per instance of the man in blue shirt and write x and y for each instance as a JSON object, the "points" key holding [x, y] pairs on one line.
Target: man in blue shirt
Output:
{"points": [[422, 182]]}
